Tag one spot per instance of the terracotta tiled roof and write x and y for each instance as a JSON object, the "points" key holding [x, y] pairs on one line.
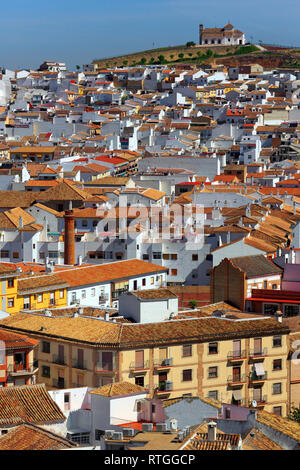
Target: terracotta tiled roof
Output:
{"points": [[119, 335], [30, 437], [108, 272], [256, 266], [42, 282], [153, 294], [256, 440], [118, 389], [28, 403], [277, 423], [15, 341]]}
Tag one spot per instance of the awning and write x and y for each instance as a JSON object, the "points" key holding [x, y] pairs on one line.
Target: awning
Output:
{"points": [[237, 394], [259, 369]]}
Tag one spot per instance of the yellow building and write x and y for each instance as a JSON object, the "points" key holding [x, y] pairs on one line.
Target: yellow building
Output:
{"points": [[236, 361], [25, 291]]}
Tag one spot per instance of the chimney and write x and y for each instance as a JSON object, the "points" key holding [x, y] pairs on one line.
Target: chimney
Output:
{"points": [[69, 254], [212, 431], [106, 316]]}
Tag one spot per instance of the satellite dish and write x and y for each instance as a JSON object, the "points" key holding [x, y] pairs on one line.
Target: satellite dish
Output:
{"points": [[254, 404]]}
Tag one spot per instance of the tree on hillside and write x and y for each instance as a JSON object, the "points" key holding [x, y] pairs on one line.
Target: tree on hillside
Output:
{"points": [[125, 62], [143, 60], [209, 53], [161, 59], [181, 55], [77, 67], [190, 44]]}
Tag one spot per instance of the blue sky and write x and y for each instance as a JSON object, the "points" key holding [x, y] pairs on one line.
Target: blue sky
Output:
{"points": [[77, 32]]}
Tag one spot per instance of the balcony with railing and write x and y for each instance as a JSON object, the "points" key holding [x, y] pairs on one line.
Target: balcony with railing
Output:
{"points": [[237, 379], [116, 293], [58, 383], [139, 366], [257, 354], [22, 369], [163, 363], [79, 364], [258, 378], [259, 400], [103, 297], [236, 355], [164, 387], [107, 367], [61, 360]]}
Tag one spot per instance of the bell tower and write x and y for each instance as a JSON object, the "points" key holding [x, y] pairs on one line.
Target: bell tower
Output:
{"points": [[200, 33]]}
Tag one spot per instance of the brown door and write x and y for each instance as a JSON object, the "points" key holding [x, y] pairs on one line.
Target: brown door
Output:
{"points": [[61, 353], [236, 373], [80, 358], [139, 359], [257, 346], [237, 348], [163, 354], [107, 361]]}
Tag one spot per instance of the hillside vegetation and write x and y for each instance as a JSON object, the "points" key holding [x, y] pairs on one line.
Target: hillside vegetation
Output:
{"points": [[170, 55]]}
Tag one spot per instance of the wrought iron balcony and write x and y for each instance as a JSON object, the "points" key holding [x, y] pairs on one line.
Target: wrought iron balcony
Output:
{"points": [[261, 353], [139, 366], [59, 360], [163, 363], [258, 378], [21, 369], [236, 355], [79, 364], [237, 379]]}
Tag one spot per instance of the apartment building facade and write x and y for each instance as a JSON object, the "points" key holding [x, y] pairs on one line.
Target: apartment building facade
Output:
{"points": [[237, 361]]}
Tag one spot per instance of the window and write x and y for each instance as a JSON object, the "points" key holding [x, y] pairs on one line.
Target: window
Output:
{"points": [[291, 310], [143, 281], [165, 256], [4, 254], [274, 286], [10, 302], [265, 284], [152, 281], [213, 394], [194, 257], [173, 272], [10, 283], [156, 255], [187, 350], [46, 371], [15, 254], [40, 298], [80, 438], [277, 364], [213, 348], [212, 372], [270, 309], [277, 341], [145, 256], [53, 254], [187, 375], [84, 223], [277, 388], [277, 410], [139, 381], [93, 292], [45, 347], [61, 294], [26, 302], [83, 294], [174, 256]]}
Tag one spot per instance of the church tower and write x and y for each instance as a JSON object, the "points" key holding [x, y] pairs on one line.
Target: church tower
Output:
{"points": [[200, 33]]}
